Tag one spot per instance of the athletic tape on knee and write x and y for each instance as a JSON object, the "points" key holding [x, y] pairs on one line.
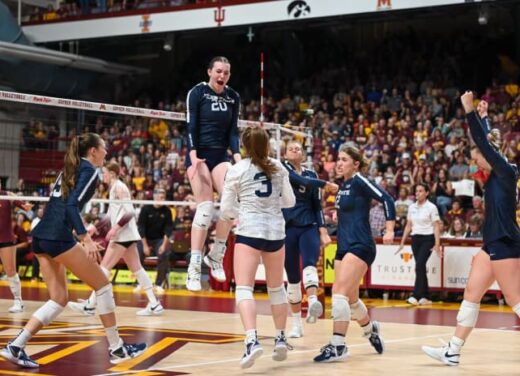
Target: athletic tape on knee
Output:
{"points": [[203, 215], [468, 314], [105, 300], [143, 279], [294, 293], [358, 310], [340, 308], [310, 277], [48, 312], [243, 293], [277, 295]]}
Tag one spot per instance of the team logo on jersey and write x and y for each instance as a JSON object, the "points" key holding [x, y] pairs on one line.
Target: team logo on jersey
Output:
{"points": [[145, 23], [298, 8], [75, 349]]}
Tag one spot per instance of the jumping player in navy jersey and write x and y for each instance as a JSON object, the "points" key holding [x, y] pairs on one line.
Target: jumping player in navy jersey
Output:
{"points": [[305, 231], [57, 249], [212, 116], [498, 260], [356, 252]]}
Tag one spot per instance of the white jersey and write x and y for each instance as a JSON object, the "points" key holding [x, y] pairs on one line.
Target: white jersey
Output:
{"points": [[129, 232], [257, 201]]}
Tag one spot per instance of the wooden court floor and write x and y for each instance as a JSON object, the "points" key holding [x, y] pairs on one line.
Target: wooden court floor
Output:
{"points": [[201, 334]]}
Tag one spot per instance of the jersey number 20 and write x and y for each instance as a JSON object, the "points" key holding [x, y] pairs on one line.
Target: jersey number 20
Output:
{"points": [[218, 106], [267, 183]]}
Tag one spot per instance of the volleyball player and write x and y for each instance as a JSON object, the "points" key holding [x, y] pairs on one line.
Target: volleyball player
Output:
{"points": [[498, 260], [257, 188], [123, 236], [57, 249], [356, 252], [305, 231], [212, 117]]}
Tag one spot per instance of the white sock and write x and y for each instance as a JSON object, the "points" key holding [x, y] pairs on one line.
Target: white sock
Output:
{"points": [[367, 328], [196, 258], [114, 341], [22, 338], [146, 284], [280, 332], [516, 309], [337, 340], [455, 344], [15, 286], [311, 299], [250, 335], [297, 318], [218, 250]]}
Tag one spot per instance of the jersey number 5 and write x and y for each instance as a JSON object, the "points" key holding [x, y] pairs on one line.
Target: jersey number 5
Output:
{"points": [[218, 106], [267, 183]]}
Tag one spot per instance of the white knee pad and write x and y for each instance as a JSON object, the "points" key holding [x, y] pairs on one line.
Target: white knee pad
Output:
{"points": [[358, 310], [294, 293], [468, 314], [105, 300], [340, 308], [203, 215], [243, 293], [277, 295], [143, 279], [48, 312], [310, 277]]}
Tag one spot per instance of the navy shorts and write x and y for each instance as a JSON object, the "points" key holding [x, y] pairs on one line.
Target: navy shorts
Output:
{"points": [[53, 248], [213, 157], [126, 244], [367, 255], [501, 249], [261, 244]]}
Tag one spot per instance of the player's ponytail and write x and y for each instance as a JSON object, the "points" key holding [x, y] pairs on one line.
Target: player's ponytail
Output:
{"points": [[78, 148], [256, 143]]}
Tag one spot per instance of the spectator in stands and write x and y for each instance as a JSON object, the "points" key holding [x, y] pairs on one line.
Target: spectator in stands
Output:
{"points": [[402, 203], [456, 210], [443, 191], [457, 228], [477, 208], [475, 227]]}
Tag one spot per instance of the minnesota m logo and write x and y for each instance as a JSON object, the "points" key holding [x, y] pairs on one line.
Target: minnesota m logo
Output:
{"points": [[384, 4]]}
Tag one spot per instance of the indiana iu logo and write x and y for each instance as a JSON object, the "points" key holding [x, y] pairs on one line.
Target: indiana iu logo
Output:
{"points": [[75, 350], [298, 8], [145, 23], [219, 15], [384, 4]]}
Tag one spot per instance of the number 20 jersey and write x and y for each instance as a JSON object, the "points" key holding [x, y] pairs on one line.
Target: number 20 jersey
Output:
{"points": [[257, 200]]}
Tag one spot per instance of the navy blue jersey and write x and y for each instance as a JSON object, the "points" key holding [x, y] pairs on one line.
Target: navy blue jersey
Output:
{"points": [[63, 215], [500, 192], [306, 187], [212, 118], [353, 202]]}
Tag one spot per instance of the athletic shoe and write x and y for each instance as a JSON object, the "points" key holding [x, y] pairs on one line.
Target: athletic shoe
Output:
{"points": [[126, 351], [280, 348], [375, 339], [82, 307], [17, 307], [424, 301], [215, 268], [314, 311], [442, 354], [17, 355], [411, 300], [331, 353], [296, 331], [151, 311], [193, 278], [253, 352]]}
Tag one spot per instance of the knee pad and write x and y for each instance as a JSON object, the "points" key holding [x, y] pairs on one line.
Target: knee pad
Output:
{"points": [[340, 308], [48, 312], [358, 310], [277, 295], [243, 293], [105, 300], [294, 293], [468, 314], [203, 215], [310, 277]]}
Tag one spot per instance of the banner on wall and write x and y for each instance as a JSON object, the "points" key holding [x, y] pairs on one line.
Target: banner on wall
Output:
{"points": [[390, 269], [457, 264]]}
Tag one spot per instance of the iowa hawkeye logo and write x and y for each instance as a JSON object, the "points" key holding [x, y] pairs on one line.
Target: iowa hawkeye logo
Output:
{"points": [[83, 351]]}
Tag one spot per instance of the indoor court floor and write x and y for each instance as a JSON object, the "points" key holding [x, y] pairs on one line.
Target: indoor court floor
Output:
{"points": [[201, 334]]}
